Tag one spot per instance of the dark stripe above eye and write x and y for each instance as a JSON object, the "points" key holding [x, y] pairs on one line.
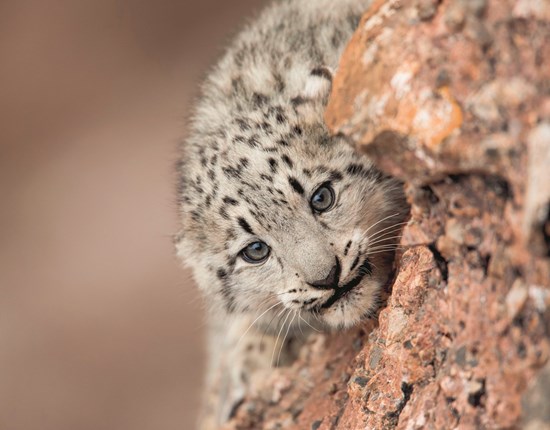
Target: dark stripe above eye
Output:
{"points": [[296, 185], [246, 227]]}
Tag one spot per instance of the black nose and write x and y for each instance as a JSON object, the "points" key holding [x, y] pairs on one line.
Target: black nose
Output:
{"points": [[331, 281]]}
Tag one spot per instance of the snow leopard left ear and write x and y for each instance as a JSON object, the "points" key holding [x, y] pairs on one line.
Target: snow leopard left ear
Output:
{"points": [[318, 83]]}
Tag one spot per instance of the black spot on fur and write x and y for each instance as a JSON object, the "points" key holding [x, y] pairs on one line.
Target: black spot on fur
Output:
{"points": [[354, 169], [288, 161], [359, 170], [297, 101], [348, 245], [272, 164], [282, 142], [259, 99], [296, 185], [231, 172], [265, 126], [355, 263], [243, 125], [226, 292], [253, 141], [230, 201], [223, 212], [221, 273], [297, 130], [335, 176], [195, 216], [245, 226], [322, 72]]}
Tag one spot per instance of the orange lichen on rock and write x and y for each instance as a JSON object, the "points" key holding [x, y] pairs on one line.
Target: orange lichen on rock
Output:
{"points": [[382, 73]]}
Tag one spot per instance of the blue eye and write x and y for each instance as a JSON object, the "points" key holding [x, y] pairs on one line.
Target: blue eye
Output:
{"points": [[256, 252], [322, 199]]}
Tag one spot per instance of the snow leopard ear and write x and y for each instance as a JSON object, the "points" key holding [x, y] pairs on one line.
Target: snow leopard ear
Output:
{"points": [[318, 84]]}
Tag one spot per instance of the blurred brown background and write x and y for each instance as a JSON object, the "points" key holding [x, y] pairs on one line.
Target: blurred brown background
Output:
{"points": [[99, 326]]}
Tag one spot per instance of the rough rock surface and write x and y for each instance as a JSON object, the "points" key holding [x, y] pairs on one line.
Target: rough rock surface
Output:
{"points": [[453, 97]]}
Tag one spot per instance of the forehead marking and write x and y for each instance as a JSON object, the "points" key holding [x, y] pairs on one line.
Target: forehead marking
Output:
{"points": [[245, 226], [296, 185]]}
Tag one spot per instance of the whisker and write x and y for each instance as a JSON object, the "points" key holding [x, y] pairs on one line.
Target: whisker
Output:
{"points": [[387, 245], [270, 321], [315, 314], [304, 320], [395, 226], [278, 335], [379, 240], [383, 250], [299, 325], [254, 322], [379, 221], [284, 338]]}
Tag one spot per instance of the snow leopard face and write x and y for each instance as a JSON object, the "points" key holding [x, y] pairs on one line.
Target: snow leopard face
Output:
{"points": [[285, 223], [281, 221]]}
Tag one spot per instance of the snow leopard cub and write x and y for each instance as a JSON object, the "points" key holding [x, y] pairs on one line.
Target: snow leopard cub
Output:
{"points": [[284, 225]]}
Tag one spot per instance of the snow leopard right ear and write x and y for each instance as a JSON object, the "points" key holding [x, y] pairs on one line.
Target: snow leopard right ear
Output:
{"points": [[317, 87]]}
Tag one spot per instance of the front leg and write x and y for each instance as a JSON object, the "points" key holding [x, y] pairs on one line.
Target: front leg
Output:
{"points": [[238, 356]]}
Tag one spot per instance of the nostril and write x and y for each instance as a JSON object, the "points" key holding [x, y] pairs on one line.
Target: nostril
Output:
{"points": [[331, 281]]}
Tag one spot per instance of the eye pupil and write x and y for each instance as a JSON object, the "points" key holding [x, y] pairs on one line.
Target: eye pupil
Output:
{"points": [[256, 252], [323, 198]]}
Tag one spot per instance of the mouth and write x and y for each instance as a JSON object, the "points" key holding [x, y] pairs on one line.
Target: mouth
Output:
{"points": [[364, 269]]}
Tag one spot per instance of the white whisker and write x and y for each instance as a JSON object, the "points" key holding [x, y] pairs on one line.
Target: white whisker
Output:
{"points": [[304, 320], [379, 240], [396, 226], [254, 322], [278, 335], [379, 221], [299, 325], [284, 338]]}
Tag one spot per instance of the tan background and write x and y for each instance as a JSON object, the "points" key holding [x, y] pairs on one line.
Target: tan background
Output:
{"points": [[99, 327]]}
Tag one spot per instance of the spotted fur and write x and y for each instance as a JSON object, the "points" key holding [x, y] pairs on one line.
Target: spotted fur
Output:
{"points": [[257, 151]]}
